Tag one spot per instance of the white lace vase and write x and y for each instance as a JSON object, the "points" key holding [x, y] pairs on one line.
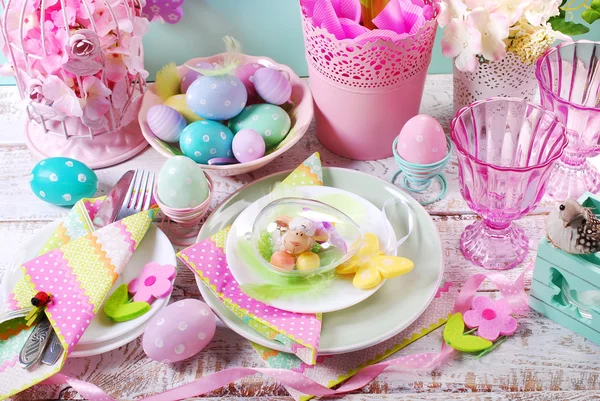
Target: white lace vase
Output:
{"points": [[508, 77]]}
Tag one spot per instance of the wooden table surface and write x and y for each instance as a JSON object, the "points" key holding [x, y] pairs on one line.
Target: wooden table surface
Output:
{"points": [[542, 361]]}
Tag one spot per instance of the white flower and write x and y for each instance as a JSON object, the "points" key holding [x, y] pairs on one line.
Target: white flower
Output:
{"points": [[494, 29], [512, 9], [463, 41], [450, 9], [538, 12]]}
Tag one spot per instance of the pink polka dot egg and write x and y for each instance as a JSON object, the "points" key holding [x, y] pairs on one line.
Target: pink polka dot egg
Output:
{"points": [[248, 145], [179, 331], [422, 141]]}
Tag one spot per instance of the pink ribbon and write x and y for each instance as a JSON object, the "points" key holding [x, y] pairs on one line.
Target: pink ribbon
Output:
{"points": [[514, 293]]}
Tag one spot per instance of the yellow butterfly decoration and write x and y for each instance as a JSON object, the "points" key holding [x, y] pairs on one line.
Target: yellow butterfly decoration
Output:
{"points": [[370, 265]]}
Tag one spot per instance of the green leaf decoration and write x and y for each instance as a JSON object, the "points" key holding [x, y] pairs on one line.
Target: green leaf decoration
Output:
{"points": [[592, 14], [119, 309], [567, 27], [305, 286], [455, 337]]}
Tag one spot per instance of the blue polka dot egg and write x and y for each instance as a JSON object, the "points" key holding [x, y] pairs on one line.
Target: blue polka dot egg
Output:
{"points": [[205, 140], [62, 181], [217, 98]]}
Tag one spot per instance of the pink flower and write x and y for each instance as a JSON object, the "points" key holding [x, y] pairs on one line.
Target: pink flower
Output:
{"points": [[450, 9], [491, 318], [463, 41], [153, 282], [96, 102], [494, 29], [84, 44], [63, 98]]}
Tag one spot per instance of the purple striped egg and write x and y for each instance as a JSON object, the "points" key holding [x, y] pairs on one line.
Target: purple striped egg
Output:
{"points": [[192, 75], [272, 85], [166, 122]]}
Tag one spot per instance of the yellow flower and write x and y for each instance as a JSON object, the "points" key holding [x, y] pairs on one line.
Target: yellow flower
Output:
{"points": [[530, 43], [370, 265]]}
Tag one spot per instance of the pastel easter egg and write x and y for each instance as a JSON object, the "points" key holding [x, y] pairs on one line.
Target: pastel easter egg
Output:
{"points": [[62, 181], [282, 260], [273, 85], [166, 122], [217, 98], [422, 140], [179, 331], [182, 183], [248, 145], [205, 140], [246, 74], [271, 122], [192, 75], [179, 103], [308, 261]]}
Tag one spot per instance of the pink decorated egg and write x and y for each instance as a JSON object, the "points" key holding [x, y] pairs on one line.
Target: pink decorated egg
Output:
{"points": [[283, 260], [273, 85], [191, 75], [246, 74], [248, 145], [179, 331], [422, 141], [166, 122]]}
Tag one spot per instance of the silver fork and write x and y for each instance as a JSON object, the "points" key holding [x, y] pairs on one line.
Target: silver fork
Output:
{"points": [[139, 194]]}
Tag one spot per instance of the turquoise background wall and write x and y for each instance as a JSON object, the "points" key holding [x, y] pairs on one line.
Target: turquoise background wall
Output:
{"points": [[264, 27]]}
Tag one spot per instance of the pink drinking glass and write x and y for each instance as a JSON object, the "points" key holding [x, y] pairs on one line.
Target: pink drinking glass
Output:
{"points": [[569, 80], [506, 148]]}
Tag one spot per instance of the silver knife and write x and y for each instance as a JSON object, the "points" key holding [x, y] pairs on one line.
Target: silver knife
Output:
{"points": [[35, 343], [107, 212]]}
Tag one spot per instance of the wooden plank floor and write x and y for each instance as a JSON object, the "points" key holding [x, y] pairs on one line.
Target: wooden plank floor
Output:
{"points": [[542, 361]]}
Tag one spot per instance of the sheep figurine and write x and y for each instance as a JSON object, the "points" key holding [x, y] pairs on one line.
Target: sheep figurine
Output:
{"points": [[296, 242]]}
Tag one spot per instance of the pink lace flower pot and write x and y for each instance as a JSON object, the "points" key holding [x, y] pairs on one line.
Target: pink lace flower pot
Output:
{"points": [[365, 93], [569, 81], [506, 148], [82, 85], [509, 77]]}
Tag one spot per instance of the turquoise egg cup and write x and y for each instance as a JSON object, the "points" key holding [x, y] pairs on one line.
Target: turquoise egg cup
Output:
{"points": [[418, 177]]}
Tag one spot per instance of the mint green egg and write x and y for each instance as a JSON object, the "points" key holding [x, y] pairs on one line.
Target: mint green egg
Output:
{"points": [[182, 183], [62, 181], [270, 121]]}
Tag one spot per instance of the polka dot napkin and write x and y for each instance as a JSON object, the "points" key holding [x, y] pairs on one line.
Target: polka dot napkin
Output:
{"points": [[78, 267], [207, 259]]}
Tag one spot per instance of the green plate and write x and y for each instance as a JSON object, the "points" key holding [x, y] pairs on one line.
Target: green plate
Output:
{"points": [[386, 313]]}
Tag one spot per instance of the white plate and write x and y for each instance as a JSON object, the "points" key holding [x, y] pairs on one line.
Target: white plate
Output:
{"points": [[103, 335], [389, 311], [340, 293]]}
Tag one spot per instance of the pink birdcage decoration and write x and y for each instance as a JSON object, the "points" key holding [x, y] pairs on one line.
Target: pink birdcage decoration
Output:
{"points": [[78, 65]]}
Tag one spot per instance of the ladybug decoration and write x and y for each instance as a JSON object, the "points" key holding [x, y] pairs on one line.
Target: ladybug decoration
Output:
{"points": [[39, 301]]}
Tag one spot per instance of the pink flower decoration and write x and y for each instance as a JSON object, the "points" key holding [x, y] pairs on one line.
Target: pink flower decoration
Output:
{"points": [[84, 44], [491, 318], [154, 282]]}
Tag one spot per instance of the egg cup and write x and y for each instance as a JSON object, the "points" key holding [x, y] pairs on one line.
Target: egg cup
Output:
{"points": [[182, 224], [418, 177]]}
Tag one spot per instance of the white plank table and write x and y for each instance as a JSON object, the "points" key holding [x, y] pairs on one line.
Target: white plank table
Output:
{"points": [[542, 361]]}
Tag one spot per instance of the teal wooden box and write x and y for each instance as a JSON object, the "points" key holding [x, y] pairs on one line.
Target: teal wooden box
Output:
{"points": [[566, 287]]}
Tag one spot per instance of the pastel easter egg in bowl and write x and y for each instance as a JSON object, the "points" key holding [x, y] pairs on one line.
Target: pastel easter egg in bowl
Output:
{"points": [[299, 108], [217, 98], [270, 121], [273, 86], [166, 123], [179, 331], [422, 141], [205, 140], [246, 73], [248, 145], [182, 183], [179, 103], [62, 181]]}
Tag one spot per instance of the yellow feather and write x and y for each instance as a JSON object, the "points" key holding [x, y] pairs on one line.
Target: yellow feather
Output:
{"points": [[168, 82]]}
